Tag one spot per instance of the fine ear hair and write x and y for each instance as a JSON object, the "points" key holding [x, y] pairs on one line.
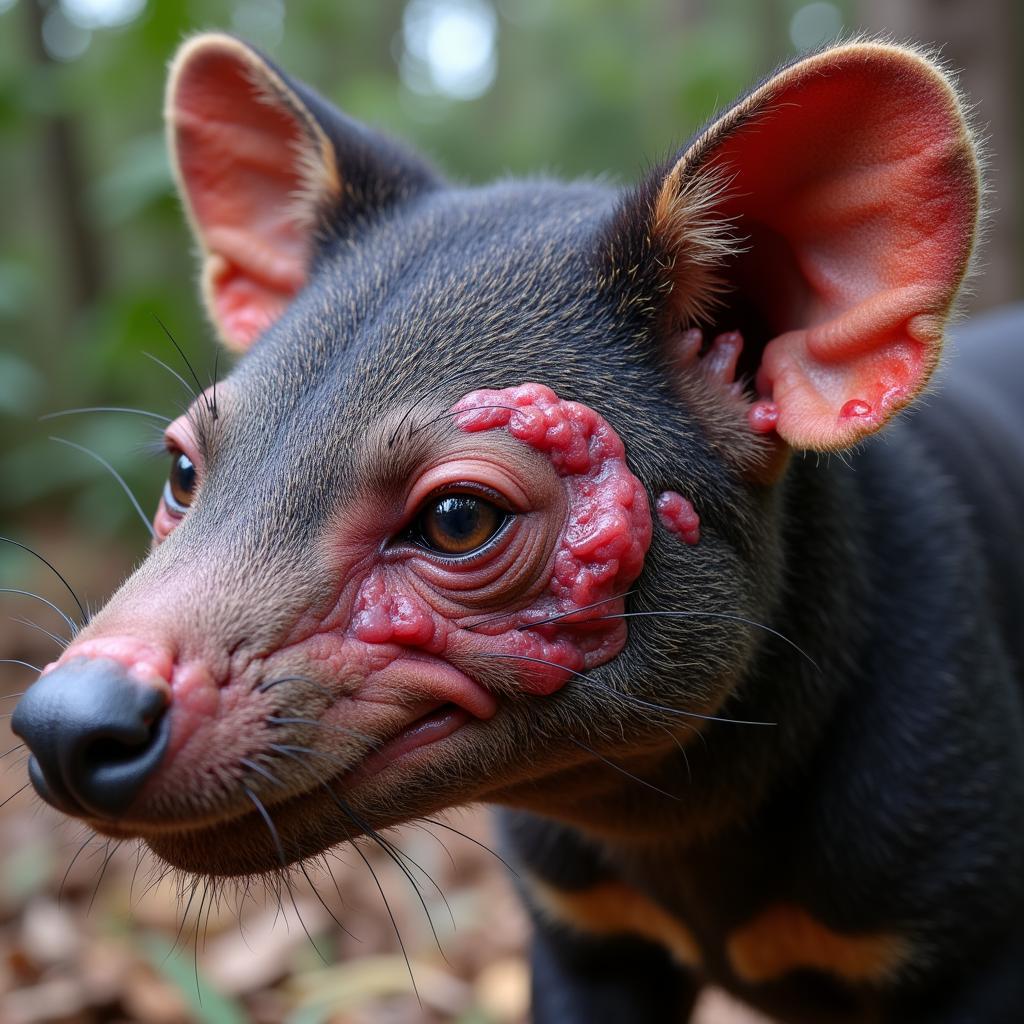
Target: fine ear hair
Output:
{"points": [[268, 172], [831, 213]]}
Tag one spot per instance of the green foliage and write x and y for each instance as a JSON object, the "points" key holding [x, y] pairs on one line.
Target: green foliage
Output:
{"points": [[206, 1005], [582, 87]]}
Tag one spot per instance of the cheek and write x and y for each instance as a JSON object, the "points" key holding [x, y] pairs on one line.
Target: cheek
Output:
{"points": [[163, 522], [547, 601], [601, 549]]}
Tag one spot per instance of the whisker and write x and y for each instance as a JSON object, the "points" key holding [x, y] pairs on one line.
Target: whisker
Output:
{"points": [[72, 625], [107, 408], [413, 431], [313, 889], [117, 476], [15, 793], [290, 750], [551, 618], [291, 897], [628, 697], [174, 373], [154, 881], [393, 852], [265, 815], [260, 770], [53, 569], [337, 888], [373, 874], [18, 661], [17, 746], [682, 750], [623, 771], [184, 918], [728, 616], [448, 853], [399, 857], [60, 641], [181, 352], [387, 906], [214, 411], [135, 873], [195, 943], [64, 881], [330, 727], [276, 836], [475, 842], [265, 685], [426, 396], [103, 870]]}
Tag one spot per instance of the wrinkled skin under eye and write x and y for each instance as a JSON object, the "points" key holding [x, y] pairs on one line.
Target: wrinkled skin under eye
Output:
{"points": [[458, 524], [575, 542]]}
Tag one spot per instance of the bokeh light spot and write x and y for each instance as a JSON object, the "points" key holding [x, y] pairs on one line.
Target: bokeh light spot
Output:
{"points": [[815, 24], [93, 14], [450, 47]]}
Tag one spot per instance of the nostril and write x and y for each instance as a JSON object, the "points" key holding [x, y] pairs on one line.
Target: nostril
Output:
{"points": [[95, 733], [99, 752], [107, 753]]}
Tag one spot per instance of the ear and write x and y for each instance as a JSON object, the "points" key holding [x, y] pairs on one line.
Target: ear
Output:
{"points": [[268, 171], [831, 213]]}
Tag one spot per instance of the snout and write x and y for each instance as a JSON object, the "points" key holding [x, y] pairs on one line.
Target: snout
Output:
{"points": [[96, 735]]}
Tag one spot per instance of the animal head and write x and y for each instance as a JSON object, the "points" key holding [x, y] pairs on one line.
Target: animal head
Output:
{"points": [[494, 492]]}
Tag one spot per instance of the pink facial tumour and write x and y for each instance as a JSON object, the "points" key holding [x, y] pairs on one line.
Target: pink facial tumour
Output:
{"points": [[599, 554], [763, 416], [679, 516], [855, 408]]}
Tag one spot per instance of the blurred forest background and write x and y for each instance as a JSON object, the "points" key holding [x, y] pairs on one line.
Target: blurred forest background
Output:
{"points": [[93, 250]]}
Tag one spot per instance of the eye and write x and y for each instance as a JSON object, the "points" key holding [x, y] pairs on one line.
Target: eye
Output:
{"points": [[458, 524], [181, 484]]}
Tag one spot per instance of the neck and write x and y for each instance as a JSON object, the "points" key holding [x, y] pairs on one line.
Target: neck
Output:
{"points": [[691, 782]]}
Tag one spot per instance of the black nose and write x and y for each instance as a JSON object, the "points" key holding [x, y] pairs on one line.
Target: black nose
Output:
{"points": [[96, 735]]}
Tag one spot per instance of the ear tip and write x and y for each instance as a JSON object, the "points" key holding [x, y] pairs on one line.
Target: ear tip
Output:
{"points": [[204, 43], [197, 49], [923, 61]]}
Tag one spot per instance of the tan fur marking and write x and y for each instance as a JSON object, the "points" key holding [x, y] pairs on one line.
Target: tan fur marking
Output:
{"points": [[785, 938], [612, 908], [686, 217]]}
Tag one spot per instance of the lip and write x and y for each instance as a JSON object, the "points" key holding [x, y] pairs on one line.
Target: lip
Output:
{"points": [[426, 727], [436, 681], [437, 724], [233, 842]]}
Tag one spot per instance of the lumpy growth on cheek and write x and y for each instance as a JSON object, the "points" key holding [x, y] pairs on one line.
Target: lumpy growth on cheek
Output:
{"points": [[605, 538], [679, 517]]}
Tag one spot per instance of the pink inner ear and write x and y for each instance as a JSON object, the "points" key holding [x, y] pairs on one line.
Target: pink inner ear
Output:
{"points": [[239, 156], [858, 188]]}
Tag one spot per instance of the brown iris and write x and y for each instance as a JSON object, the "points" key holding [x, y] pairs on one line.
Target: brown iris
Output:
{"points": [[181, 484], [457, 524]]}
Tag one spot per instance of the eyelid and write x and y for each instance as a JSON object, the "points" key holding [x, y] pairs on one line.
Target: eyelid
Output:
{"points": [[173, 507], [481, 474], [178, 437], [472, 487]]}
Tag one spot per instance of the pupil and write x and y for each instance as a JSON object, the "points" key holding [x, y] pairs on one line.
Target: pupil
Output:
{"points": [[184, 473], [459, 517], [183, 479]]}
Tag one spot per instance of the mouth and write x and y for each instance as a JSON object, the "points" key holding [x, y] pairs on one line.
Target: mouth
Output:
{"points": [[437, 724], [245, 844]]}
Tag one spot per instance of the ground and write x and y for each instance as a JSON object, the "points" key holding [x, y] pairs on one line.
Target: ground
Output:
{"points": [[87, 937]]}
